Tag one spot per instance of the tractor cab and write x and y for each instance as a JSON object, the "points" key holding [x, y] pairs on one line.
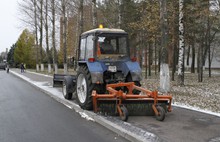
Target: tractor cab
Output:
{"points": [[104, 44], [105, 52], [112, 47]]}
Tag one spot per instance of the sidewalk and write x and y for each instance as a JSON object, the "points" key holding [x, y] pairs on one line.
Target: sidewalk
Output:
{"points": [[127, 130]]}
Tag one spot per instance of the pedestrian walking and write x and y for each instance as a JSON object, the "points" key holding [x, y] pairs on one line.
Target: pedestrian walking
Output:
{"points": [[7, 68], [22, 68]]}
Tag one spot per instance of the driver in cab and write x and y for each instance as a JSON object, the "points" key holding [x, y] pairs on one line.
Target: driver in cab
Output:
{"points": [[106, 47]]}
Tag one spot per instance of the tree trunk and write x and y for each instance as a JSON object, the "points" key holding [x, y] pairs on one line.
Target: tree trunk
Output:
{"points": [[54, 51], [210, 61], [155, 55], [164, 68], [174, 40], [54, 32], [149, 58], [94, 14], [164, 30], [140, 51], [159, 58], [181, 46], [64, 35], [188, 54], [36, 34], [174, 61], [81, 16], [41, 30], [47, 32], [193, 57], [79, 31], [145, 51], [200, 63]]}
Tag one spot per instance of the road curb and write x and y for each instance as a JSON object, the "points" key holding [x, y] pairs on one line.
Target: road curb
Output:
{"points": [[133, 134]]}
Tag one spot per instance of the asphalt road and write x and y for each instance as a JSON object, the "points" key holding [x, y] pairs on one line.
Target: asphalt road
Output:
{"points": [[28, 115], [182, 125]]}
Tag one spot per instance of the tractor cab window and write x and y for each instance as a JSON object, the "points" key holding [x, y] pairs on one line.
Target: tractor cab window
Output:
{"points": [[112, 46], [86, 47], [82, 48], [89, 47]]}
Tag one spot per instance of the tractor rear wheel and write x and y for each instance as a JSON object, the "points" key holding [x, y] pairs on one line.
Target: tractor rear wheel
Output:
{"points": [[84, 87]]}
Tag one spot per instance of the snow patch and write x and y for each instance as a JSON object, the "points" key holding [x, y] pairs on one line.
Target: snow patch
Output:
{"points": [[84, 115], [215, 140]]}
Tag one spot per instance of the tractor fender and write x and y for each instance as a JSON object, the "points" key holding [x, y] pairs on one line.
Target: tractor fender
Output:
{"points": [[96, 70], [134, 69]]}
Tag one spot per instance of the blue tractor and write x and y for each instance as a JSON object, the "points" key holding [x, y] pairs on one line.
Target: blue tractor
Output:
{"points": [[103, 58]]}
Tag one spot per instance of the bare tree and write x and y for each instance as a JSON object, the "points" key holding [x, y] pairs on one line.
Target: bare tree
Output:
{"points": [[47, 35], [36, 34], [53, 21], [41, 31], [64, 34]]}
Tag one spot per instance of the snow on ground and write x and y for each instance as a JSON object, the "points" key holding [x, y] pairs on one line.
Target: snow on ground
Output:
{"points": [[203, 97]]}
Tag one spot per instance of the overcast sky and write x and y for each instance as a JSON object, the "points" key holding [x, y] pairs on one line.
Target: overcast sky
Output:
{"points": [[9, 24]]}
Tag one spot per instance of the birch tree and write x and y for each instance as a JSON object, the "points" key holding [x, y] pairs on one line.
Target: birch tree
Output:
{"points": [[181, 46]]}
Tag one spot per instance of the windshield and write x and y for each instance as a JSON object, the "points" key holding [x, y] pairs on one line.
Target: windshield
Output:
{"points": [[112, 46]]}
